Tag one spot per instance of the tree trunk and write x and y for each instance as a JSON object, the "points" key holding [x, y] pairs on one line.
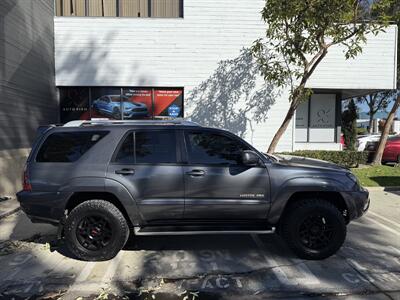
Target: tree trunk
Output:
{"points": [[371, 120], [283, 127], [385, 132]]}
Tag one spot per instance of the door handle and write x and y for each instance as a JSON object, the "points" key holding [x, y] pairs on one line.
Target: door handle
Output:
{"points": [[125, 172], [196, 173]]}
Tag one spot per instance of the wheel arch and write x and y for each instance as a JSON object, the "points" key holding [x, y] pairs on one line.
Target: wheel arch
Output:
{"points": [[81, 197], [333, 197]]}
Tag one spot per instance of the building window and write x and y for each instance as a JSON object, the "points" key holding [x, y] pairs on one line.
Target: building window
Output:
{"points": [[120, 8], [119, 103], [316, 119]]}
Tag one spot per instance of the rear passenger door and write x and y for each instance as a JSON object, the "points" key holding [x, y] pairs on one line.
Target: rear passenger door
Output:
{"points": [[146, 163], [217, 185]]}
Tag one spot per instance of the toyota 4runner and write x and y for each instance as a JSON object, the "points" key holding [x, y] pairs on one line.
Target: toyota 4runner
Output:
{"points": [[101, 181]]}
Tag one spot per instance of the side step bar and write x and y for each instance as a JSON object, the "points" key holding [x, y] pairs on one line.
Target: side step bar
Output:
{"points": [[139, 231]]}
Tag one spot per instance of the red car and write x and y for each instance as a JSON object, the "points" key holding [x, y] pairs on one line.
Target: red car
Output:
{"points": [[392, 150]]}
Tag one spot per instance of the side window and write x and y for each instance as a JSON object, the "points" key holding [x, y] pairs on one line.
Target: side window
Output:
{"points": [[125, 152], [68, 146], [151, 147], [155, 147], [213, 148]]}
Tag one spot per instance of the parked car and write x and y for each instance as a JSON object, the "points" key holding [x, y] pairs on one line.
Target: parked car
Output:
{"points": [[392, 150], [110, 105], [96, 180], [365, 142]]}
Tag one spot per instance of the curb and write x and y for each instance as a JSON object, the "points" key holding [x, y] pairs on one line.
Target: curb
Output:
{"points": [[383, 188], [13, 211]]}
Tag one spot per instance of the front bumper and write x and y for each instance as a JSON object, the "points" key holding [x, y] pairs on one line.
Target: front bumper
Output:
{"points": [[135, 114], [43, 207], [357, 203]]}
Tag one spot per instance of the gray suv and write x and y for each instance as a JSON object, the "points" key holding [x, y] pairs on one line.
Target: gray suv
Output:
{"points": [[101, 181]]}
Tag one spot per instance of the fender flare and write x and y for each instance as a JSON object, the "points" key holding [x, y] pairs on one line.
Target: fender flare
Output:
{"points": [[105, 185], [283, 193]]}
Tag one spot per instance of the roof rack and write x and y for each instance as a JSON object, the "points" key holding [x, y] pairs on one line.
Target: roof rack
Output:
{"points": [[105, 122]]}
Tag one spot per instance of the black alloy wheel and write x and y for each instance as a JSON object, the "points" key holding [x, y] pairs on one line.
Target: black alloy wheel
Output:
{"points": [[313, 228], [94, 232], [315, 232]]}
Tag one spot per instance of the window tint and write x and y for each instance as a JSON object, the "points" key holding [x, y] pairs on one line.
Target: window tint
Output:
{"points": [[155, 147], [68, 146], [125, 152], [395, 138], [213, 148]]}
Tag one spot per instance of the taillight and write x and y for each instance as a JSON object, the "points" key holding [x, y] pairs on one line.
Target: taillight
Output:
{"points": [[26, 184]]}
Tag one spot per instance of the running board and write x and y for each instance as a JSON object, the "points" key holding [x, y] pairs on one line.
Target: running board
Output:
{"points": [[139, 231]]}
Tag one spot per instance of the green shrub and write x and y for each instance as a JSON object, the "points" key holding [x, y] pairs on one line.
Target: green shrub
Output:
{"points": [[348, 159], [349, 125], [362, 130]]}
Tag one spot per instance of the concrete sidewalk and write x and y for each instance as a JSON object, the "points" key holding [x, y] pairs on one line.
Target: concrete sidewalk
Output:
{"points": [[8, 207]]}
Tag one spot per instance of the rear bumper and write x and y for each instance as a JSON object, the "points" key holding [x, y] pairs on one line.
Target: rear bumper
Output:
{"points": [[357, 203], [43, 207]]}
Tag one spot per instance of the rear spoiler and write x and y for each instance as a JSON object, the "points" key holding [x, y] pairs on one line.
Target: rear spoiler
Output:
{"points": [[42, 129]]}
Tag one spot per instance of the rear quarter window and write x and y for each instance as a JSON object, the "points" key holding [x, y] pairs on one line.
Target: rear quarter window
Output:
{"points": [[68, 146]]}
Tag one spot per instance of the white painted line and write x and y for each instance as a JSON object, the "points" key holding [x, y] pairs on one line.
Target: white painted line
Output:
{"points": [[83, 275], [112, 268], [309, 277], [395, 249], [384, 218], [275, 268], [87, 269], [12, 274], [396, 232], [357, 265]]}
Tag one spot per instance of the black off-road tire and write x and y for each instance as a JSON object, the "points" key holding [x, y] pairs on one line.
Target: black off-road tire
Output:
{"points": [[117, 223], [298, 213]]}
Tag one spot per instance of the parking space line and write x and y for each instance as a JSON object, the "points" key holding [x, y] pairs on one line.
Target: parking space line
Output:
{"points": [[384, 218], [308, 277], [87, 269], [112, 268], [383, 226], [275, 268], [395, 249], [83, 275]]}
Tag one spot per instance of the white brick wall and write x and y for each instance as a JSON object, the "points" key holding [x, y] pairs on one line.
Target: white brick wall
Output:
{"points": [[186, 52]]}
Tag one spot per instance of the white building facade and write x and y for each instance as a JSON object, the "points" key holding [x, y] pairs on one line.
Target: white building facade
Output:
{"points": [[191, 58]]}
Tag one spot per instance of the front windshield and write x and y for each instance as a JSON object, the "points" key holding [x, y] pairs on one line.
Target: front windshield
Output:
{"points": [[394, 138]]}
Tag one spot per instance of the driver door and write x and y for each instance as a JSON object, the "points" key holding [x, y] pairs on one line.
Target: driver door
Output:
{"points": [[217, 185]]}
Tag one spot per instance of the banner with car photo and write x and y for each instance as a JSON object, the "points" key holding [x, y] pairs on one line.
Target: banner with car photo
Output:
{"points": [[115, 103]]}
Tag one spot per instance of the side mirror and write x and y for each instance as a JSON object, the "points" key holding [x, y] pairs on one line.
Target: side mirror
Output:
{"points": [[250, 158]]}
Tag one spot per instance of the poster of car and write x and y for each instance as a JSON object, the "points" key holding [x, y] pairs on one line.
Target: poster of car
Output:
{"points": [[106, 103], [137, 103], [168, 102], [116, 103], [74, 104]]}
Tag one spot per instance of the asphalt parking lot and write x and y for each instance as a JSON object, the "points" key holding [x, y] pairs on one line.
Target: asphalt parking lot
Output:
{"points": [[208, 267]]}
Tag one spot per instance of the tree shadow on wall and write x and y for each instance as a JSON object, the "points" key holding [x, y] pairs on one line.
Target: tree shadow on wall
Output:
{"points": [[233, 97]]}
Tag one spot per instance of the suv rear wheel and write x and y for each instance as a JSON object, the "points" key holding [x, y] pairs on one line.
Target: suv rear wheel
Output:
{"points": [[313, 228], [96, 230]]}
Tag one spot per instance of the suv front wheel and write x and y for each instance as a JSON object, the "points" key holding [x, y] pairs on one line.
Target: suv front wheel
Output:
{"points": [[313, 228], [96, 230]]}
